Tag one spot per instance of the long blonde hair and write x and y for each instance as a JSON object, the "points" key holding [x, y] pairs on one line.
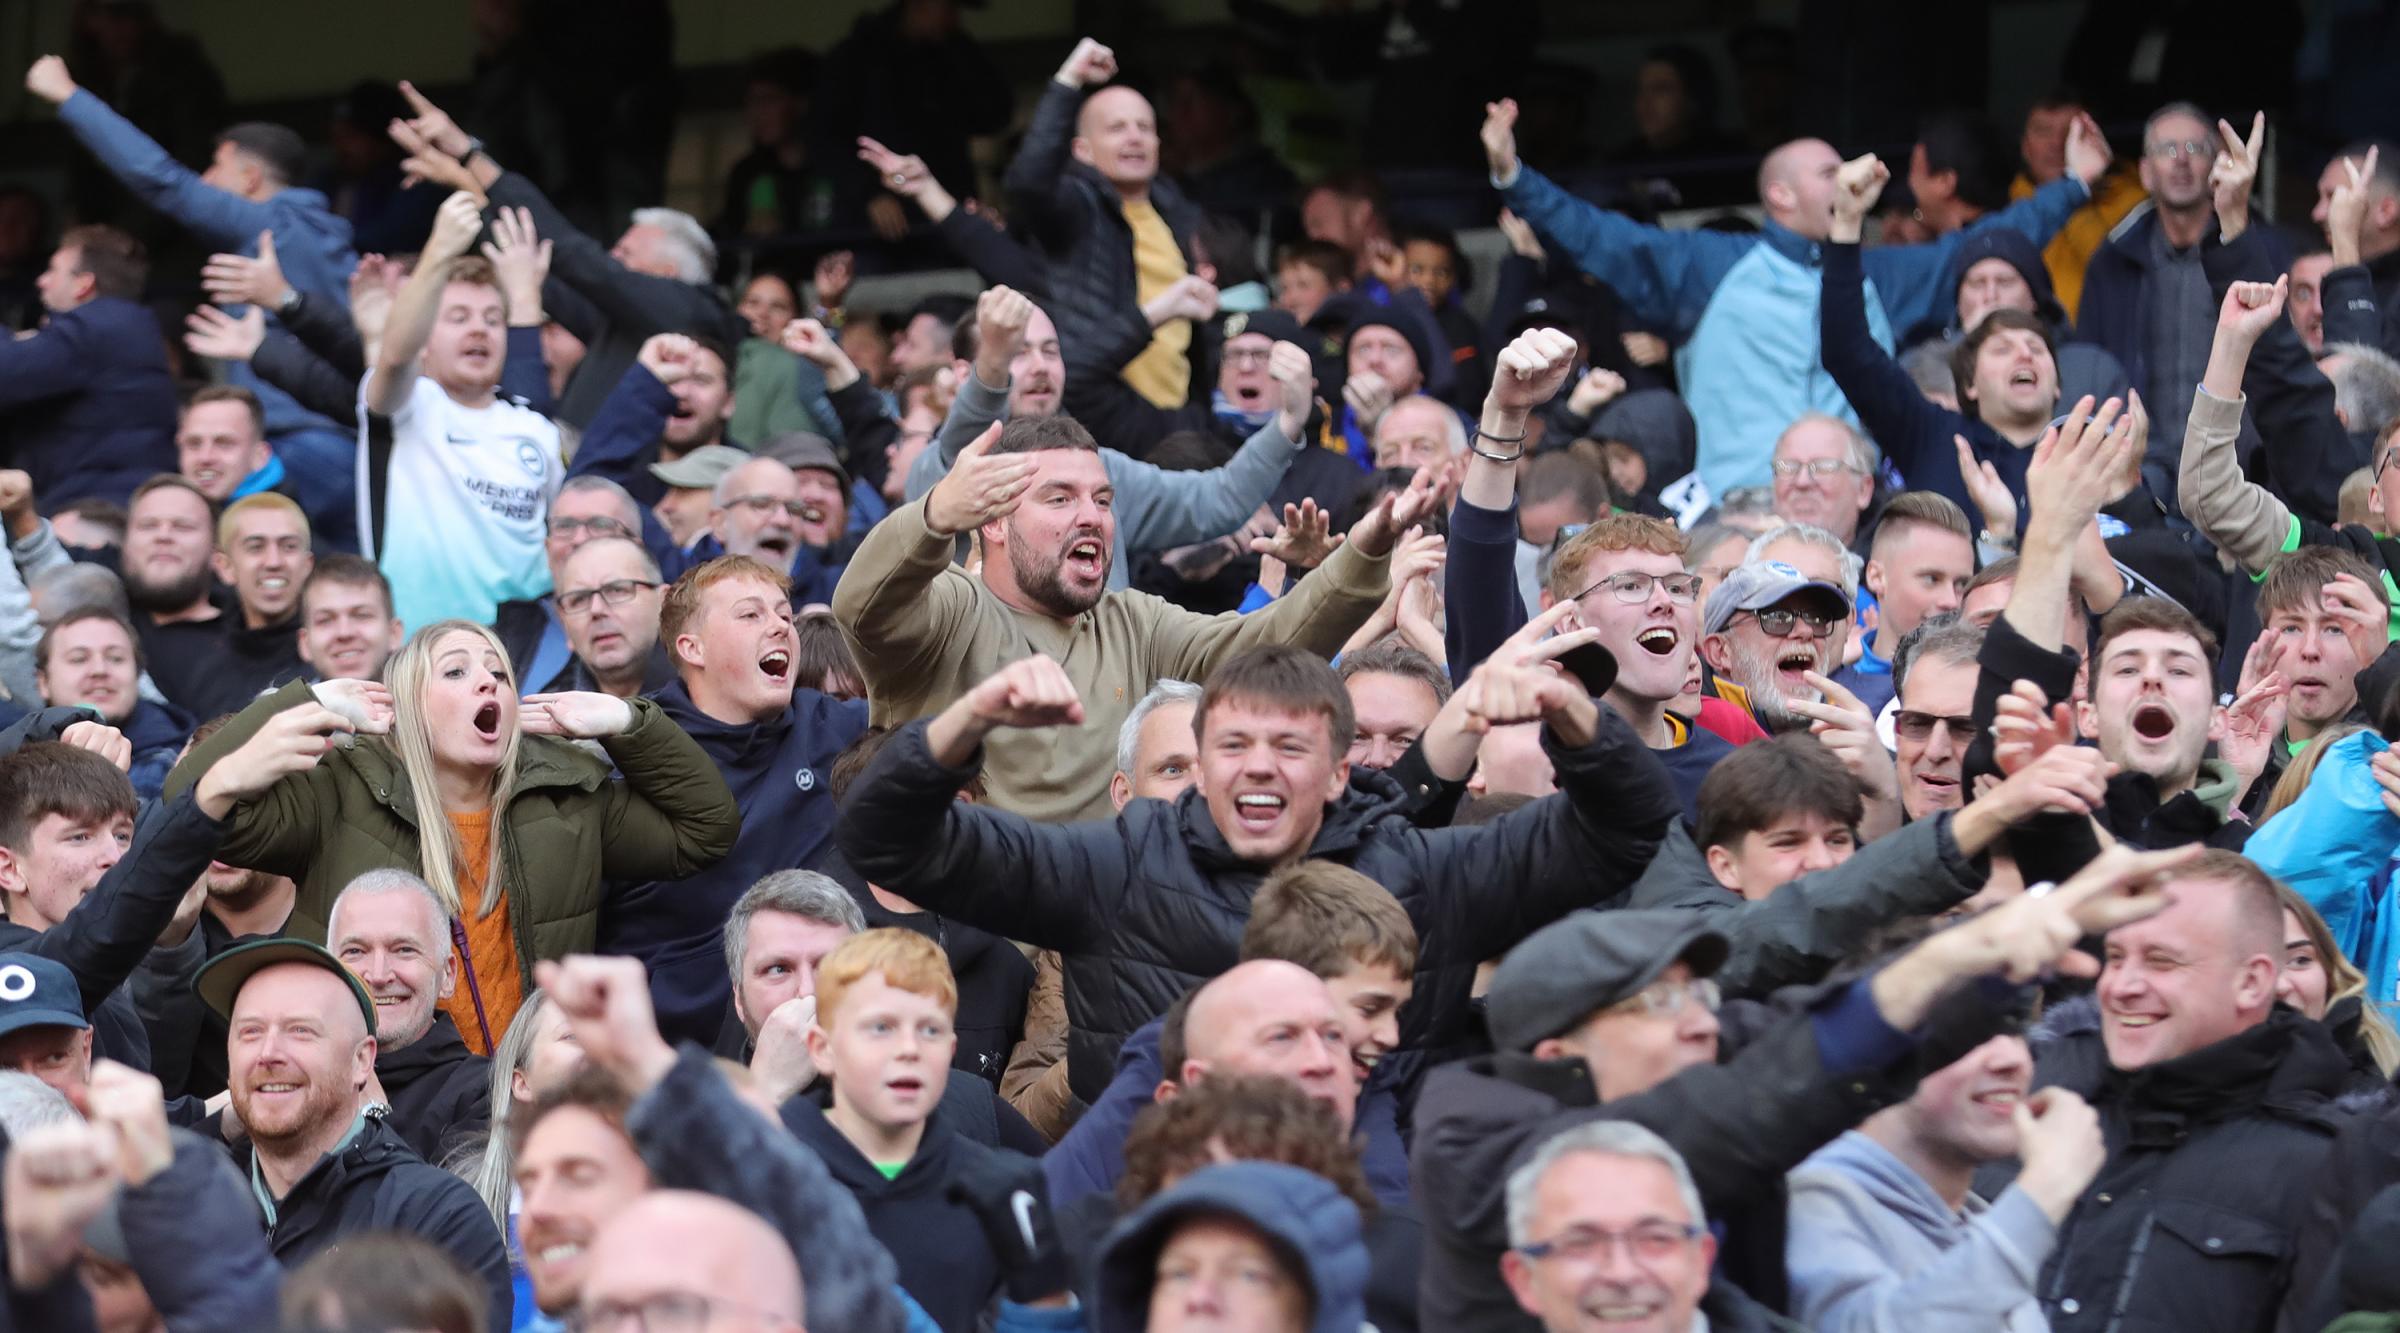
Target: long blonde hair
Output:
{"points": [[408, 674], [492, 1169], [2343, 979]]}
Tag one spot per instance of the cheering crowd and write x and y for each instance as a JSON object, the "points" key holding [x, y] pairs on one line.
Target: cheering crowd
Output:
{"points": [[1829, 773]]}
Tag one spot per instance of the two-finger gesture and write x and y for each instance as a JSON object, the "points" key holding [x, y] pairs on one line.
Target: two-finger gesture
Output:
{"points": [[1029, 692], [2235, 171]]}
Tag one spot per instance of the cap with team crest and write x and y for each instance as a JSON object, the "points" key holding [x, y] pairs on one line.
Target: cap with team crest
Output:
{"points": [[38, 992]]}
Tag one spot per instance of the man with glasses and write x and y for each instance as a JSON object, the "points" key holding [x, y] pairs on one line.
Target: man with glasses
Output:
{"points": [[1611, 1016], [1769, 626], [1935, 722], [726, 627], [1625, 575], [1605, 1216], [587, 507], [2145, 296], [1824, 475], [609, 598]]}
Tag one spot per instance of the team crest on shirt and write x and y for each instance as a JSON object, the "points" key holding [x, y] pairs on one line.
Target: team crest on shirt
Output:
{"points": [[805, 779], [529, 456]]}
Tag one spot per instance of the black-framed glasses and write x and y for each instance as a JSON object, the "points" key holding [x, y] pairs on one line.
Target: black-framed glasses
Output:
{"points": [[597, 526], [1648, 1242], [664, 1312], [1778, 621], [1633, 588], [615, 592], [1910, 725], [1823, 469]]}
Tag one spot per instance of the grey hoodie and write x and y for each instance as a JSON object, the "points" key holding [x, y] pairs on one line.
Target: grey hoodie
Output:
{"points": [[1873, 1249]]}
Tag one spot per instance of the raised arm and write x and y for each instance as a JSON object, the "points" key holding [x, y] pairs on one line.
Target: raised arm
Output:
{"points": [[218, 217], [1479, 581], [900, 600], [1159, 510], [1664, 277], [1915, 433], [1035, 182], [2244, 520], [1055, 886], [394, 374]]}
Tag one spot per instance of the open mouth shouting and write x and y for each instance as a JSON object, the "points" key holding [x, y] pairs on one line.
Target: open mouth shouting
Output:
{"points": [[783, 545], [2152, 722], [1258, 812], [487, 720], [1085, 559], [1792, 664], [1658, 640], [776, 665]]}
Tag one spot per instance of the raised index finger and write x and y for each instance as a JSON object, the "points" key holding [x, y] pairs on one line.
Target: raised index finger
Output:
{"points": [[1834, 693]]}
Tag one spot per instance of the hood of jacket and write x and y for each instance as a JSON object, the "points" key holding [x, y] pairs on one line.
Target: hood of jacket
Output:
{"points": [[430, 1055], [2018, 251], [1311, 1223], [1891, 1183]]}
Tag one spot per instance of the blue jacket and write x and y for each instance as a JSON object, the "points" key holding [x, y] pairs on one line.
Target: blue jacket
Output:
{"points": [[86, 404], [2335, 847], [780, 773], [312, 243], [1091, 1157], [157, 733], [1743, 308], [1301, 1212]]}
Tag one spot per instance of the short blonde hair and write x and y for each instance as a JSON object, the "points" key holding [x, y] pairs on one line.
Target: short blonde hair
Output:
{"points": [[261, 503], [907, 960]]}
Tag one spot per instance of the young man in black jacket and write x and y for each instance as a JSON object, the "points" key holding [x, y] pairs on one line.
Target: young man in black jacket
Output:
{"points": [[1274, 728], [394, 936]]}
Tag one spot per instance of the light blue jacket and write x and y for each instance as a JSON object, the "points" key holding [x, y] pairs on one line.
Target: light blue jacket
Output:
{"points": [[1872, 1249], [1742, 309], [312, 242], [2334, 846]]}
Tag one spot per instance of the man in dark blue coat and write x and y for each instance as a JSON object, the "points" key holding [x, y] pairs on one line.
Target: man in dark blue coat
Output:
{"points": [[86, 402], [728, 626]]}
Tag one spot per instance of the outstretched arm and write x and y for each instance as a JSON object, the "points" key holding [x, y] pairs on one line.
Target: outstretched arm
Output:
{"points": [[218, 217], [394, 374]]}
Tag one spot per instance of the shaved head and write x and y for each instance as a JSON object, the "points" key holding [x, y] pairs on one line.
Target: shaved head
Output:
{"points": [[1795, 185], [1272, 1018]]}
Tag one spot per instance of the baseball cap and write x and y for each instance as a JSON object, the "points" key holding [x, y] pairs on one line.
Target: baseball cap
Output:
{"points": [[1574, 967], [38, 992], [701, 468], [1761, 584], [802, 451], [222, 977]]}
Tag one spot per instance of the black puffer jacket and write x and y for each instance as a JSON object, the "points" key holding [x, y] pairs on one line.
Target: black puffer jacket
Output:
{"points": [[1149, 904], [374, 1183], [2193, 1223], [1075, 216], [441, 1092]]}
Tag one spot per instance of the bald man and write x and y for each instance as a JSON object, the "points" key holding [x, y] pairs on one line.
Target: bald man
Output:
{"points": [[678, 1246], [1743, 308], [1085, 185], [1273, 1019]]}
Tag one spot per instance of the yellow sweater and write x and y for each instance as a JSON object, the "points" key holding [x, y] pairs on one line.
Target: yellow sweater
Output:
{"points": [[2086, 231], [1162, 372]]}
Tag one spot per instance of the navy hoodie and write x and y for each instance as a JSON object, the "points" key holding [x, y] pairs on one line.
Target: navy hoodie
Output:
{"points": [[779, 771]]}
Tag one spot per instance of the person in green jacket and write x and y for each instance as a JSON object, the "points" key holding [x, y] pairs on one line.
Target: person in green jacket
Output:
{"points": [[487, 797]]}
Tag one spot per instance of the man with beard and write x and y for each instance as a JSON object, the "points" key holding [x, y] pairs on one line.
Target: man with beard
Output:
{"points": [[1824, 475], [322, 1164], [1887, 1233], [394, 936], [1044, 503], [1011, 369], [169, 582], [727, 625], [1768, 627]]}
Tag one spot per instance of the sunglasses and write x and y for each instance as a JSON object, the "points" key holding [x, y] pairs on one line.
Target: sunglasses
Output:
{"points": [[1912, 725]]}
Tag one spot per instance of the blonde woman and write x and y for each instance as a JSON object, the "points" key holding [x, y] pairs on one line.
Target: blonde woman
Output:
{"points": [[487, 798], [2319, 982]]}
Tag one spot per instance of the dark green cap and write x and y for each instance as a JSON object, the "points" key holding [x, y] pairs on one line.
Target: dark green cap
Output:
{"points": [[222, 977]]}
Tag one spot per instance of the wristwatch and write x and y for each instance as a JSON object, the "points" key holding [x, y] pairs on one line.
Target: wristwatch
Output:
{"points": [[474, 146], [288, 302]]}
